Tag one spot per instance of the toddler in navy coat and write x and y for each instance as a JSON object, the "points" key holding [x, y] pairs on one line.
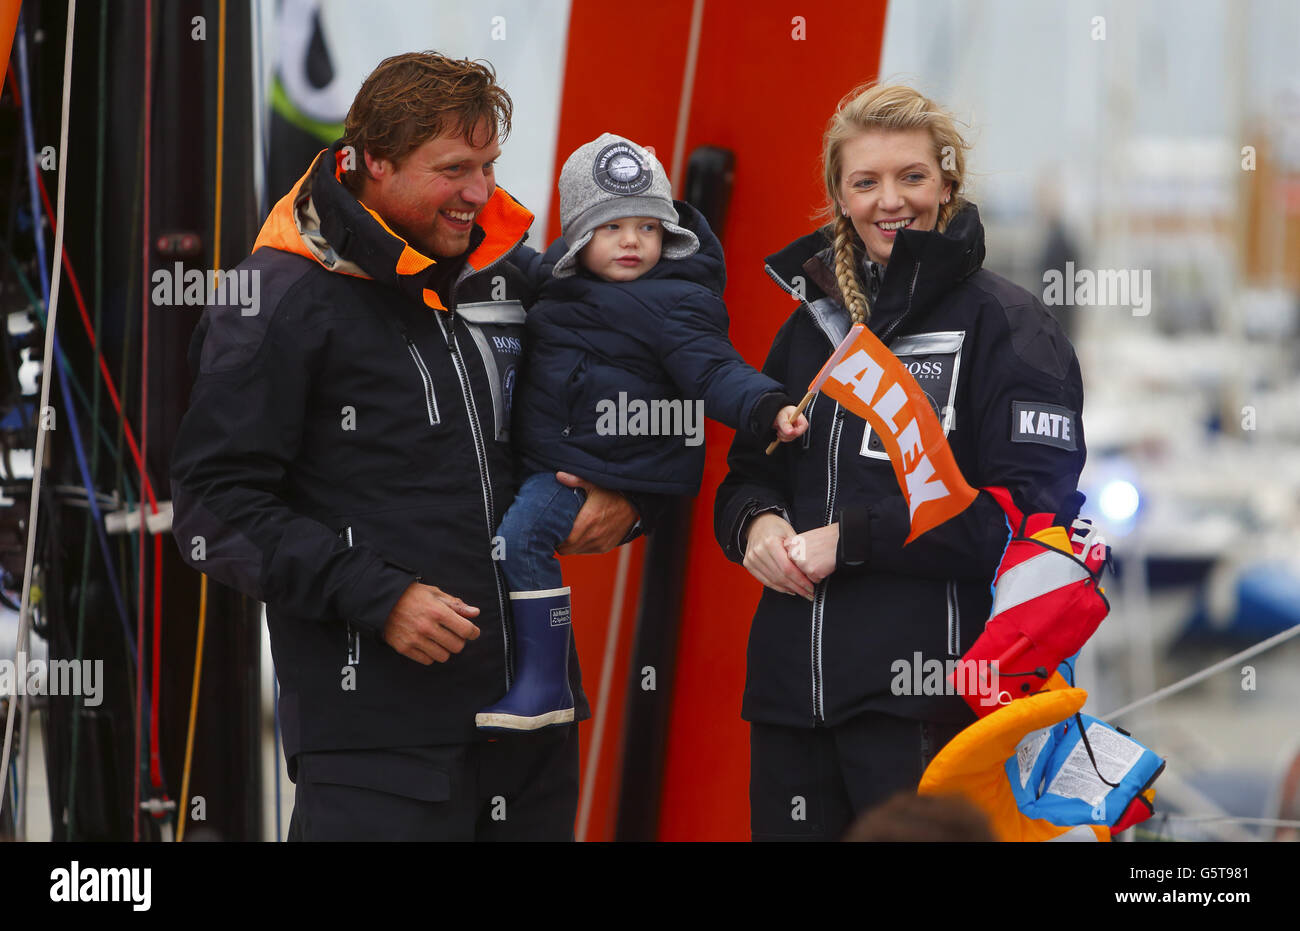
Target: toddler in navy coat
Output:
{"points": [[627, 351]]}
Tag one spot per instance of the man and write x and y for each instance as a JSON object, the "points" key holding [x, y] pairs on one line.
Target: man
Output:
{"points": [[346, 459]]}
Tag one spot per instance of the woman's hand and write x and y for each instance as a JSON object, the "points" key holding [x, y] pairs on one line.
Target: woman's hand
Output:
{"points": [[767, 560], [813, 551]]}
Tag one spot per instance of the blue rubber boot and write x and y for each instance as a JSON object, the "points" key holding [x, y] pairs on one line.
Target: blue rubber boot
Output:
{"points": [[540, 696]]}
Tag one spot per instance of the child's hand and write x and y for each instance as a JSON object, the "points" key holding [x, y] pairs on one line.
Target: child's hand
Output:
{"points": [[789, 424]]}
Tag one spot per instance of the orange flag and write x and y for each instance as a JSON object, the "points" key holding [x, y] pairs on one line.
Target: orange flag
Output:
{"points": [[8, 25], [869, 380]]}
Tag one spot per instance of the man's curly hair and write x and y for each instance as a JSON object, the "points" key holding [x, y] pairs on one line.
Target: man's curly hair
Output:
{"points": [[409, 99]]}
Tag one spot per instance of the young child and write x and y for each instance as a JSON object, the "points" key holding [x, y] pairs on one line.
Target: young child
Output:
{"points": [[626, 344]]}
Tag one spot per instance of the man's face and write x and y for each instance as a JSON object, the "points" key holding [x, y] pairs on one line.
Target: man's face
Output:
{"points": [[432, 199]]}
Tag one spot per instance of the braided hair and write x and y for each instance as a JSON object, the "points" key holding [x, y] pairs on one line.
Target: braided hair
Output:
{"points": [[847, 248]]}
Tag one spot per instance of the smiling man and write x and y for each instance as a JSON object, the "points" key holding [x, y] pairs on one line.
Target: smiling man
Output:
{"points": [[346, 459]]}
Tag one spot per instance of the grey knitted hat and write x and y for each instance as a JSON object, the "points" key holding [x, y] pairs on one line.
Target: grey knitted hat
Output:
{"points": [[608, 179]]}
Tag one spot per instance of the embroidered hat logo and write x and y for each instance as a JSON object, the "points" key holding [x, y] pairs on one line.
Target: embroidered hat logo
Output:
{"points": [[619, 169]]}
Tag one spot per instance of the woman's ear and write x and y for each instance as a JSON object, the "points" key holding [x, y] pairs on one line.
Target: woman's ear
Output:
{"points": [[947, 192]]}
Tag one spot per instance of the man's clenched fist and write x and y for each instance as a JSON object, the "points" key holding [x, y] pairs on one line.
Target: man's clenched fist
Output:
{"points": [[428, 625]]}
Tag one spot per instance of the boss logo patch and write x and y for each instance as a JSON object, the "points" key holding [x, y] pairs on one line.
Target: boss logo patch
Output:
{"points": [[934, 360], [559, 617], [1049, 424]]}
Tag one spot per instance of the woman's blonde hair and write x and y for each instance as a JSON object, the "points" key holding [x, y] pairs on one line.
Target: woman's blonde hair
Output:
{"points": [[875, 106]]}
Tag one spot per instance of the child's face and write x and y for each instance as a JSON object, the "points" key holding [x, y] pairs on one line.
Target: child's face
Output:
{"points": [[624, 249]]}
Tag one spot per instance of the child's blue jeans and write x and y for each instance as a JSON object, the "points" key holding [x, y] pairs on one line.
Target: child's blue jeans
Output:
{"points": [[538, 522]]}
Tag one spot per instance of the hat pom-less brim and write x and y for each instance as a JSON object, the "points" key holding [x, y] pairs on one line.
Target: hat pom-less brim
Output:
{"points": [[679, 243], [568, 263]]}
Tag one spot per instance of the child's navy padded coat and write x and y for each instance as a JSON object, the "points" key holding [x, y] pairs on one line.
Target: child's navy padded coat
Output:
{"points": [[662, 337]]}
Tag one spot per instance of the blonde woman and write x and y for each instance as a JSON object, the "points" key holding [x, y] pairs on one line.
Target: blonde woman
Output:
{"points": [[844, 692]]}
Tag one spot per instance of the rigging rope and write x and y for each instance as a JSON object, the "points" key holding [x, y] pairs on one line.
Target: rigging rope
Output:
{"points": [[56, 277], [1205, 673], [183, 803], [71, 827], [144, 408]]}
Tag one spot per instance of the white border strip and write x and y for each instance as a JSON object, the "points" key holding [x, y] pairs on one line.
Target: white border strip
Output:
{"points": [[539, 593]]}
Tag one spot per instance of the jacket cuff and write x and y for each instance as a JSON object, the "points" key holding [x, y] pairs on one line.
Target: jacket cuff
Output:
{"points": [[367, 604], [649, 509], [854, 548], [764, 412], [742, 525]]}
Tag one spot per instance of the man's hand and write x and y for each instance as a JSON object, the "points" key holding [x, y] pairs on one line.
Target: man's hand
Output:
{"points": [[768, 560], [813, 551], [428, 625], [603, 522]]}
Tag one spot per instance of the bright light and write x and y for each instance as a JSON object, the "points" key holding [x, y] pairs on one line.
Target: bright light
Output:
{"points": [[1118, 500]]}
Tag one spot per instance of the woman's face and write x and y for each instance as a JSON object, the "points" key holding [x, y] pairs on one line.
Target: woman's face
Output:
{"points": [[890, 180]]}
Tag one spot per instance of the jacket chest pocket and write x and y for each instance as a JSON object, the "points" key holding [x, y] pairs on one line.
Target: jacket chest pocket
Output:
{"points": [[430, 395], [934, 360], [497, 328]]}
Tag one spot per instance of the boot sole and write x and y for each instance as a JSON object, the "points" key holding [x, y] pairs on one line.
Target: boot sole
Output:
{"points": [[517, 722]]}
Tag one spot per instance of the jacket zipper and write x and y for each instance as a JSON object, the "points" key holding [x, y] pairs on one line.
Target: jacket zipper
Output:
{"points": [[954, 620], [916, 272], [771, 273], [808, 412], [430, 399], [489, 506], [832, 478], [819, 596], [354, 638], [569, 383]]}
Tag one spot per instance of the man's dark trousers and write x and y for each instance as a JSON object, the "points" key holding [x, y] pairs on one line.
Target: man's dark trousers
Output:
{"points": [[512, 788]]}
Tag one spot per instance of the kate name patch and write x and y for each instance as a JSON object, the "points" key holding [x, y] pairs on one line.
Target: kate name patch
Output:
{"points": [[1049, 424]]}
